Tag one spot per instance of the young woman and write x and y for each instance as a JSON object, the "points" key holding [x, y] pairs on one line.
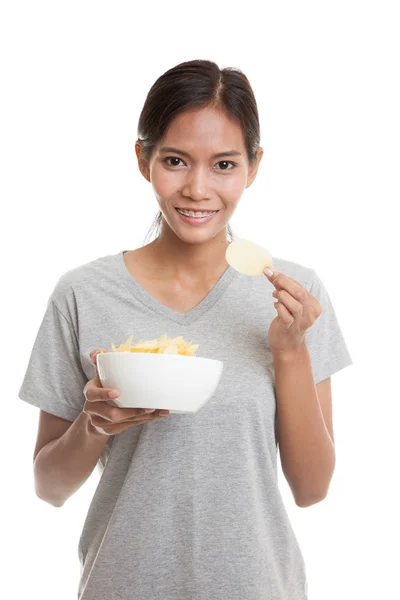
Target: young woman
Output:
{"points": [[188, 506]]}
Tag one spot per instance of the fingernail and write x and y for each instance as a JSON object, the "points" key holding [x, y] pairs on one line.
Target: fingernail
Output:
{"points": [[149, 410], [268, 272], [113, 394]]}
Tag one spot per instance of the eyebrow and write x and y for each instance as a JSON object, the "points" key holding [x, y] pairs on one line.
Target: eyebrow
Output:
{"points": [[183, 153]]}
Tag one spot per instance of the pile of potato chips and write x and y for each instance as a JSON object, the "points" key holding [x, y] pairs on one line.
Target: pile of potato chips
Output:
{"points": [[164, 345]]}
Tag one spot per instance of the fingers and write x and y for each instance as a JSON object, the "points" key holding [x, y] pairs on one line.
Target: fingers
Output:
{"points": [[140, 418], [142, 421], [93, 356], [94, 353], [94, 392], [114, 428], [116, 415], [143, 418]]}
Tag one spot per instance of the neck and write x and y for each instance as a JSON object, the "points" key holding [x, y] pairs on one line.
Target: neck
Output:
{"points": [[183, 261]]}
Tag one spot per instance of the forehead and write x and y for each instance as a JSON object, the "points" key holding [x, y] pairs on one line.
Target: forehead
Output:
{"points": [[208, 129]]}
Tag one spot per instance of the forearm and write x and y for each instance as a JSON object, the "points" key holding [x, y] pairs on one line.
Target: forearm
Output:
{"points": [[63, 465], [305, 446]]}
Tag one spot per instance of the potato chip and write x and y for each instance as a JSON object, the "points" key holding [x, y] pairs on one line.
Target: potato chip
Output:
{"points": [[164, 345], [247, 257], [124, 347], [171, 350]]}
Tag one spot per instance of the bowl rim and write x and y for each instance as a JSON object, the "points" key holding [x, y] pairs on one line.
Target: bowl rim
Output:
{"points": [[173, 356]]}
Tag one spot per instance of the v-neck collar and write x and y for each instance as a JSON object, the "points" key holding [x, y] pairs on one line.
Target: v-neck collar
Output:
{"points": [[182, 318]]}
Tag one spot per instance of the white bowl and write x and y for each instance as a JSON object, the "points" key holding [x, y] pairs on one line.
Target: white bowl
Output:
{"points": [[180, 384]]}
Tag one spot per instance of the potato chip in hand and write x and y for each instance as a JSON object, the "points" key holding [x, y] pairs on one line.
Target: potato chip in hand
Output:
{"points": [[247, 257]]}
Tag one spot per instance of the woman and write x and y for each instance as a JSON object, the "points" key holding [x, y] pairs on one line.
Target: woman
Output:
{"points": [[188, 506]]}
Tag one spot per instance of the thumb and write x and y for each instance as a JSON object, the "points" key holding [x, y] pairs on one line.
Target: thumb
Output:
{"points": [[93, 356]]}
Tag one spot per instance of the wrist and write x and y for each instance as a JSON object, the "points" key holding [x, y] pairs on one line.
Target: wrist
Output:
{"points": [[291, 355], [92, 431]]}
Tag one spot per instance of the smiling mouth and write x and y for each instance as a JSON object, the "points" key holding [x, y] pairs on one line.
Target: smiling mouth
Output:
{"points": [[196, 214]]}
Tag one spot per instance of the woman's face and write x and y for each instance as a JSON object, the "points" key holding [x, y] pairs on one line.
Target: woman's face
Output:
{"points": [[201, 164]]}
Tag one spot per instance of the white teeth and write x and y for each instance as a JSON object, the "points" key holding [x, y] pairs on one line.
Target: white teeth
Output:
{"points": [[190, 213]]}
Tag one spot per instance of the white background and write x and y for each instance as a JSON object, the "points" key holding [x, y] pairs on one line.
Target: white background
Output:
{"points": [[326, 74]]}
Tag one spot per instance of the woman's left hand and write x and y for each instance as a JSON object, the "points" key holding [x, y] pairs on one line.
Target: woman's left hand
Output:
{"points": [[297, 311]]}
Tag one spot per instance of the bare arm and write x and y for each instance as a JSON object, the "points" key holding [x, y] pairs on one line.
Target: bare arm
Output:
{"points": [[63, 465], [305, 446]]}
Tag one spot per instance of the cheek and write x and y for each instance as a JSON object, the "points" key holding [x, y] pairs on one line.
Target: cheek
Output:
{"points": [[231, 187], [164, 182], [158, 179]]}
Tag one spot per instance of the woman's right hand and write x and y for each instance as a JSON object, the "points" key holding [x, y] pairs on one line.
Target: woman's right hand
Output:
{"points": [[107, 418]]}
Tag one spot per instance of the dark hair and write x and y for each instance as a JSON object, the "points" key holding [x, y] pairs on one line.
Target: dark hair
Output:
{"points": [[198, 84]]}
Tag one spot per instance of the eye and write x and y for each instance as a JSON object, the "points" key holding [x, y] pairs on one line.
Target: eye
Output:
{"points": [[226, 162], [165, 160]]}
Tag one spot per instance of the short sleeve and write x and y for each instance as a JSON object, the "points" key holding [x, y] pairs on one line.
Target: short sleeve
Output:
{"points": [[54, 379], [325, 342]]}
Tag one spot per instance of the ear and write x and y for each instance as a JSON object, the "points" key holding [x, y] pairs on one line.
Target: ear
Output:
{"points": [[142, 162], [253, 168]]}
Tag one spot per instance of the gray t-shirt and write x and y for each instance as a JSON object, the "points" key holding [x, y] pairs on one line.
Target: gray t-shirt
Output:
{"points": [[187, 507]]}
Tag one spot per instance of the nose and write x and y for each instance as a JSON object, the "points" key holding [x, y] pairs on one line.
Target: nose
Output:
{"points": [[196, 184]]}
